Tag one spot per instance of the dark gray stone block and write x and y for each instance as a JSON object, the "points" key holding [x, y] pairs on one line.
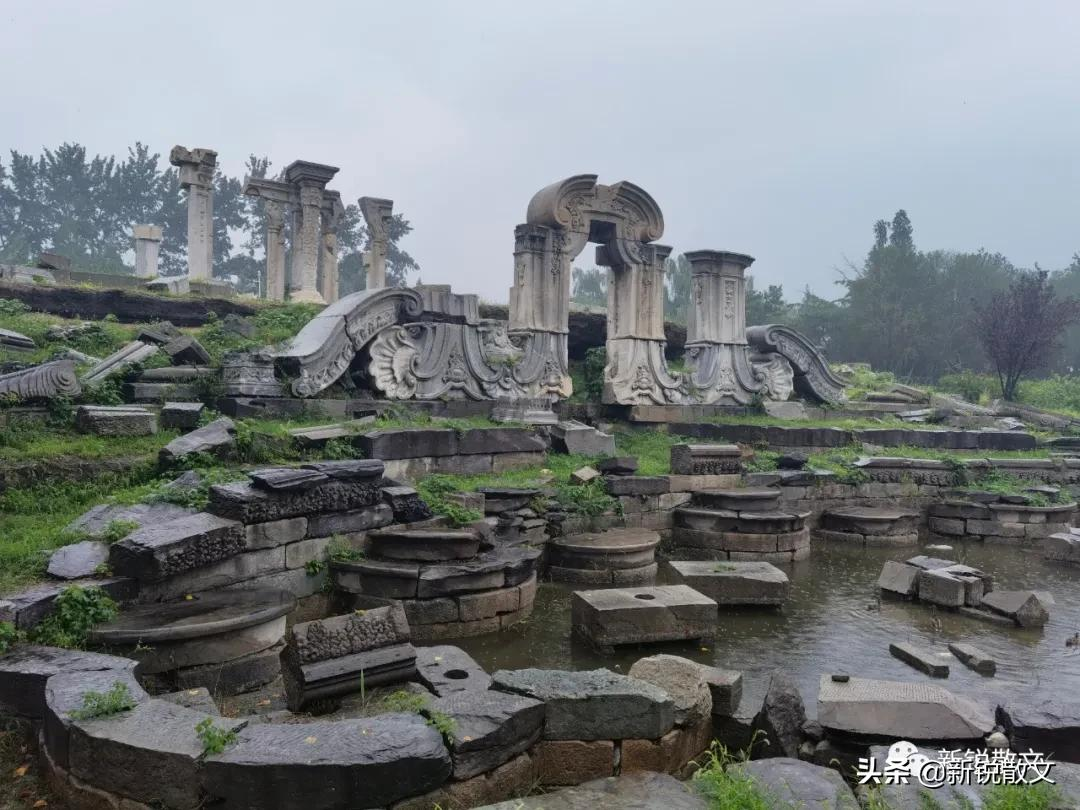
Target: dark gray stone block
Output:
{"points": [[363, 763], [286, 479], [156, 552], [596, 705], [1052, 728], [243, 502], [25, 670], [78, 560], [445, 669], [794, 783], [217, 438], [490, 728]]}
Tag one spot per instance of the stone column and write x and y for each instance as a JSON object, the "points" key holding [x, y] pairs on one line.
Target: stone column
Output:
{"points": [[717, 296], [275, 251], [277, 198], [147, 245], [197, 176], [332, 212], [717, 356], [377, 214], [310, 180]]}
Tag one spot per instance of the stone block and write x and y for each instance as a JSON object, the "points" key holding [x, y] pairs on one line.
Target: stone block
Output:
{"points": [[354, 520], [496, 441], [725, 686], [794, 783], [706, 459], [899, 578], [973, 658], [634, 790], [445, 669], [683, 680], [900, 710], [580, 439], [636, 484], [932, 663], [186, 350], [314, 765], [616, 616], [78, 560], [217, 438], [120, 420], [406, 504], [246, 503], [234, 569], [155, 552], [953, 527], [941, 588], [26, 669], [181, 415], [275, 533], [734, 583], [489, 728], [1050, 726], [1026, 608], [571, 762], [593, 705]]}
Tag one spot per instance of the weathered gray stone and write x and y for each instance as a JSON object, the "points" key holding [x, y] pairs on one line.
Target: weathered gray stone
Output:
{"points": [[364, 763], [734, 583], [910, 711], [120, 420], [706, 459], [1062, 547], [445, 669], [503, 567], [781, 717], [154, 552], [725, 686], [16, 340], [357, 469], [973, 658], [26, 668], [425, 545], [615, 616], [181, 415], [764, 499], [618, 465], [489, 728], [594, 705], [1051, 727], [78, 560], [580, 439], [1026, 608], [939, 587], [354, 520], [134, 352], [243, 502], [286, 479], [95, 523], [634, 791], [37, 601], [216, 438], [636, 484], [928, 661], [186, 350], [793, 783], [612, 549], [275, 533], [584, 475], [406, 503], [66, 692], [899, 578], [198, 699], [506, 499], [683, 680], [149, 754]]}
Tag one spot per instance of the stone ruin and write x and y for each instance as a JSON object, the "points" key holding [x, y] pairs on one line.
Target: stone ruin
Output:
{"points": [[429, 343]]}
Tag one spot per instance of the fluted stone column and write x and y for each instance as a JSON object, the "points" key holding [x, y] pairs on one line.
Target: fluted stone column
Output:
{"points": [[332, 212], [377, 214], [277, 199], [197, 176], [310, 180], [147, 246]]}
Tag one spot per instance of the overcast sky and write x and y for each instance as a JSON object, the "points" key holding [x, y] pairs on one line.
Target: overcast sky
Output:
{"points": [[779, 129]]}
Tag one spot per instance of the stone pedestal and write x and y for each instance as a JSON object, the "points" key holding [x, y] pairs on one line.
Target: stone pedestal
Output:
{"points": [[147, 245], [377, 214], [310, 180], [197, 176]]}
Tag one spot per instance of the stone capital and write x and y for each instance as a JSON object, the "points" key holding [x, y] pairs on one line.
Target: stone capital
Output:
{"points": [[305, 173], [196, 165], [151, 233], [719, 262]]}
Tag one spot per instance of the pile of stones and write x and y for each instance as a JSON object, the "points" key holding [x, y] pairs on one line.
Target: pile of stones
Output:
{"points": [[740, 524], [452, 583], [996, 518], [952, 585]]}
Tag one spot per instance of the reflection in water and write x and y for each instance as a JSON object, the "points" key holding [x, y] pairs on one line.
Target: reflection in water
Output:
{"points": [[833, 622]]}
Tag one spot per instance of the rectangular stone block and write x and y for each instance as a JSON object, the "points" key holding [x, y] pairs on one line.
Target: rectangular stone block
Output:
{"points": [[224, 572], [636, 484], [275, 533], [299, 554], [571, 762], [697, 483], [152, 553], [706, 459], [499, 440], [734, 583], [939, 588], [243, 502], [954, 527], [355, 520], [618, 616]]}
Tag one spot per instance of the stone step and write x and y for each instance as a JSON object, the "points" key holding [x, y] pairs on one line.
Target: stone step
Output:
{"points": [[764, 499], [726, 520], [424, 545]]}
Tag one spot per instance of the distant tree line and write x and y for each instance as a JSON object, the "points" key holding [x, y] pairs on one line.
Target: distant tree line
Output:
{"points": [[84, 208], [918, 314]]}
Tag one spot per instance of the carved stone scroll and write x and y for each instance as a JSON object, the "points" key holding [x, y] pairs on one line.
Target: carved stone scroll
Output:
{"points": [[39, 382], [812, 376]]}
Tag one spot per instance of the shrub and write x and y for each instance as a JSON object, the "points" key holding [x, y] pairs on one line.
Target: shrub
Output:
{"points": [[118, 530], [726, 788], [75, 611], [214, 740], [105, 704], [9, 636], [967, 384]]}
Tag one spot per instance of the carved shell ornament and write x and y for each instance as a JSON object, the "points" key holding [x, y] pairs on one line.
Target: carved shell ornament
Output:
{"points": [[393, 363]]}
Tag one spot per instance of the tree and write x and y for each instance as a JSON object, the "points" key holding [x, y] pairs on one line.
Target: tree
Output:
{"points": [[1021, 329], [589, 286], [677, 289], [765, 307]]}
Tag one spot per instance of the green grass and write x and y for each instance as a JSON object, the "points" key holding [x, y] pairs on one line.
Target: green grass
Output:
{"points": [[25, 442], [117, 699], [727, 788]]}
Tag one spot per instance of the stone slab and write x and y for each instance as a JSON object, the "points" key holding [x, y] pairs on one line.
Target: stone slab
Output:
{"points": [[616, 616], [489, 728], [928, 661], [734, 583], [593, 705], [445, 669], [158, 551]]}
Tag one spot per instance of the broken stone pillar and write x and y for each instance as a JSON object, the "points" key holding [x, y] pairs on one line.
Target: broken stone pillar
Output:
{"points": [[332, 211], [377, 214], [636, 371], [147, 245], [197, 176], [716, 348], [310, 180], [277, 197]]}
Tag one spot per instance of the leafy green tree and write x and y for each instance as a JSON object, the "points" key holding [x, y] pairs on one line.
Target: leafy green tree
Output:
{"points": [[768, 306], [677, 289]]}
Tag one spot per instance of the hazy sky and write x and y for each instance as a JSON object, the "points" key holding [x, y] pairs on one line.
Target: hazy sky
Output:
{"points": [[779, 129]]}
